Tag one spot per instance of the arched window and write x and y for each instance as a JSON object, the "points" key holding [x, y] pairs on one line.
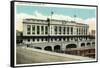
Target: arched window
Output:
{"points": [[82, 44], [71, 46], [93, 43], [88, 44]]}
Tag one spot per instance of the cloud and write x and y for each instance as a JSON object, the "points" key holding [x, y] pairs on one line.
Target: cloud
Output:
{"points": [[92, 23], [36, 13], [19, 18]]}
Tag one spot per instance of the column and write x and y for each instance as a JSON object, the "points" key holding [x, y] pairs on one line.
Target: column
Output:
{"points": [[57, 30], [74, 30], [53, 32], [65, 30], [31, 29], [35, 29], [86, 31], [79, 31], [82, 31], [44, 29], [62, 30], [53, 48], [40, 29], [65, 39], [69, 31], [50, 30]]}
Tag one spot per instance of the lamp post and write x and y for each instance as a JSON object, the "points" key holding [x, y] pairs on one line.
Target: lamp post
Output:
{"points": [[74, 18], [51, 19], [48, 20], [49, 29]]}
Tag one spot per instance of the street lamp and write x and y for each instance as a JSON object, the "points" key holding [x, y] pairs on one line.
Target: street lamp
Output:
{"points": [[74, 18], [49, 21]]}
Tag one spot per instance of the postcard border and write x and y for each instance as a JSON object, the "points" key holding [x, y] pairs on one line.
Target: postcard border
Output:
{"points": [[12, 48]]}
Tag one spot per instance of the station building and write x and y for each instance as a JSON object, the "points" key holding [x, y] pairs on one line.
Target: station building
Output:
{"points": [[56, 35]]}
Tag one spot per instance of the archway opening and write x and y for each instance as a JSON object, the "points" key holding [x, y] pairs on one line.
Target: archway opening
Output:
{"points": [[88, 44], [71, 46], [48, 48], [82, 44], [57, 48], [93, 43]]}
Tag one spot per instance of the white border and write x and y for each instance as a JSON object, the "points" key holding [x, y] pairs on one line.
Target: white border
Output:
{"points": [[15, 14], [52, 5]]}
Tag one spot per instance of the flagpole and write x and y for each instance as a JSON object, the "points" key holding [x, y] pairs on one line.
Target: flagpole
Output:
{"points": [[51, 20], [74, 18]]}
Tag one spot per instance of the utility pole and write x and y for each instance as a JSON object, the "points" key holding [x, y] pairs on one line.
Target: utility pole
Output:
{"points": [[48, 21], [74, 18], [51, 19], [49, 28]]}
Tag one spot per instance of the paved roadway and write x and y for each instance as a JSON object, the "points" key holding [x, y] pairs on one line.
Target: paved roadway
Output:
{"points": [[26, 55]]}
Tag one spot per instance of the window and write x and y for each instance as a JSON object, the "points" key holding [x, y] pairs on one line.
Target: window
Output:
{"points": [[80, 39], [28, 40], [77, 31], [42, 39], [68, 39], [76, 39], [60, 30], [42, 29], [86, 31], [64, 39], [46, 39], [51, 39], [67, 30], [82, 30], [55, 29], [37, 39], [33, 29], [28, 29], [71, 30], [33, 39], [38, 29], [46, 30], [59, 39], [72, 38], [55, 39], [64, 29]]}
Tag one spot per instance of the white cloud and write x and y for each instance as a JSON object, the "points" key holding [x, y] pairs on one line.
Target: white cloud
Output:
{"points": [[36, 13], [92, 23], [19, 18]]}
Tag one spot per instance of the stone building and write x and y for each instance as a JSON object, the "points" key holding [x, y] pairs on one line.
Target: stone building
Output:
{"points": [[56, 35]]}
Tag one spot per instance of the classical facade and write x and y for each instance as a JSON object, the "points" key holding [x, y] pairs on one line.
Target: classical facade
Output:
{"points": [[56, 35]]}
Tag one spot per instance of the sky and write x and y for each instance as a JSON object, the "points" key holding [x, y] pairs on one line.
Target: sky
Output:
{"points": [[82, 15]]}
